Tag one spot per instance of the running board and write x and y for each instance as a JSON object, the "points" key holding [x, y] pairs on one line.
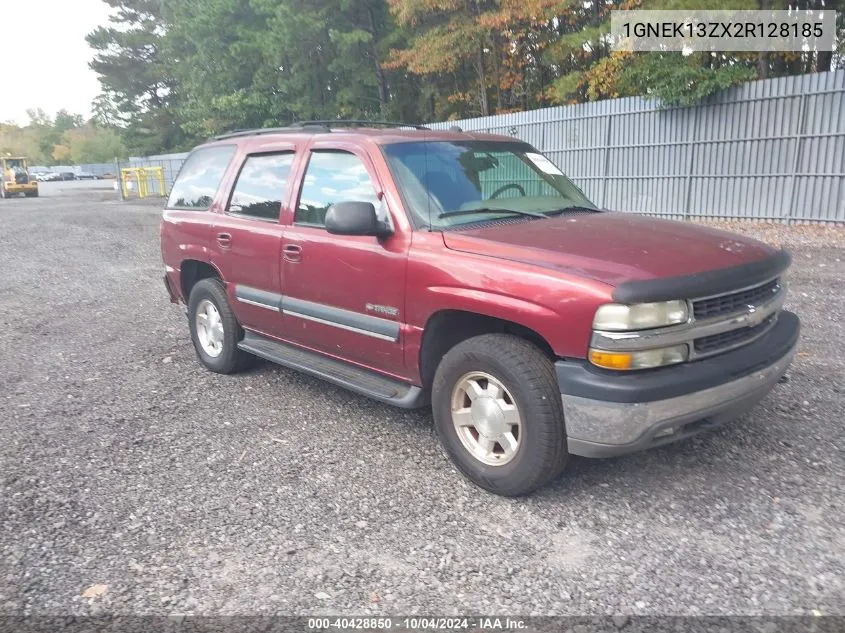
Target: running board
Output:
{"points": [[340, 373]]}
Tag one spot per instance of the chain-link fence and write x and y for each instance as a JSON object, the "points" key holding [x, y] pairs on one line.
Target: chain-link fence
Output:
{"points": [[151, 176], [169, 163]]}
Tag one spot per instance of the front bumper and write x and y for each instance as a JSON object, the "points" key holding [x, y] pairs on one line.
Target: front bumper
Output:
{"points": [[608, 413], [13, 187]]}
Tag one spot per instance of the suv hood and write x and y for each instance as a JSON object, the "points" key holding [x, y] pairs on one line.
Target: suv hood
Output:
{"points": [[611, 247]]}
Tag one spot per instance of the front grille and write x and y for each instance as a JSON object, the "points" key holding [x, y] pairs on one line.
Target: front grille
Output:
{"points": [[733, 338], [732, 303]]}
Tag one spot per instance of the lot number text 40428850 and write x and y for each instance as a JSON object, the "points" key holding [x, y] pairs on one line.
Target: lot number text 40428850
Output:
{"points": [[416, 623]]}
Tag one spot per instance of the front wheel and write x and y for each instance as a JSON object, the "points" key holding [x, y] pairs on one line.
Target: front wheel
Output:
{"points": [[498, 413], [215, 331]]}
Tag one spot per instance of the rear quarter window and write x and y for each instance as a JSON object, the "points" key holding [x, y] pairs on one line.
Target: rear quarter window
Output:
{"points": [[200, 176]]}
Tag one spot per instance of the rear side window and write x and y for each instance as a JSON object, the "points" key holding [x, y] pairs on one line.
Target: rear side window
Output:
{"points": [[200, 177], [261, 185]]}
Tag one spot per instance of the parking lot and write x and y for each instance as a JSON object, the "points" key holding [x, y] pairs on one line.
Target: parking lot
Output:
{"points": [[125, 464]]}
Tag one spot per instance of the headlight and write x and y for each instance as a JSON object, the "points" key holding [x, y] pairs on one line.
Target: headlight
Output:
{"points": [[640, 316], [644, 359]]}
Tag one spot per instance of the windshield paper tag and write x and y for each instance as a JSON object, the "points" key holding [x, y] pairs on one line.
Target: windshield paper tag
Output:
{"points": [[543, 164]]}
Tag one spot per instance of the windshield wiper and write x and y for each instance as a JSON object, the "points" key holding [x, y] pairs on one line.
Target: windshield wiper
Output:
{"points": [[574, 207], [452, 214]]}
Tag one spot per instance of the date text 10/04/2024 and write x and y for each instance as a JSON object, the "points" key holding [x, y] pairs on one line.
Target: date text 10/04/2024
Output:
{"points": [[417, 623]]}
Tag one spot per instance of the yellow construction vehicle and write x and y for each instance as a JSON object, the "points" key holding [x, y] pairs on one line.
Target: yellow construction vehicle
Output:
{"points": [[15, 178]]}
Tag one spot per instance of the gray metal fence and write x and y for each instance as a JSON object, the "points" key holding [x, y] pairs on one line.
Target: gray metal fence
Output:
{"points": [[772, 149], [766, 150]]}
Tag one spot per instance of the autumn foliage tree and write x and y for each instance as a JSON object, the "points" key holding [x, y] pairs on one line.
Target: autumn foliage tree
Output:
{"points": [[61, 139], [485, 55], [175, 72]]}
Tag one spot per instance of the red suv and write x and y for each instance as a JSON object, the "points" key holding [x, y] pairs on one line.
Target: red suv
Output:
{"points": [[466, 271]]}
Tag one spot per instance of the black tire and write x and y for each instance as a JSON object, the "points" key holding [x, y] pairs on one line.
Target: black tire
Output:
{"points": [[529, 376], [231, 359]]}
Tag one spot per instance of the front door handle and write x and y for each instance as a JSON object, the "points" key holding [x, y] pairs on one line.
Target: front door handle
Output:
{"points": [[292, 253], [225, 240]]}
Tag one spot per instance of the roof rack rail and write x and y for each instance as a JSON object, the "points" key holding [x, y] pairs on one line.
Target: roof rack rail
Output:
{"points": [[315, 126], [359, 123], [265, 130]]}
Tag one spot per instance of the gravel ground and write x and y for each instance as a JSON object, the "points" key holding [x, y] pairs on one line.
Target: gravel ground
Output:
{"points": [[133, 477], [75, 187]]}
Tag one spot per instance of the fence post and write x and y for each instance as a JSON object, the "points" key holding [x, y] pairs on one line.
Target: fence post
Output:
{"points": [[604, 178], [802, 112], [690, 163], [118, 179], [543, 126]]}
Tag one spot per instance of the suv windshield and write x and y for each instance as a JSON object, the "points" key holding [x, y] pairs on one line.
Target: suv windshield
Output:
{"points": [[449, 183]]}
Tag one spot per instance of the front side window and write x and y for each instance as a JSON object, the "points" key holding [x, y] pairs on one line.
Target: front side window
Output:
{"points": [[333, 176], [261, 185], [449, 183], [200, 177]]}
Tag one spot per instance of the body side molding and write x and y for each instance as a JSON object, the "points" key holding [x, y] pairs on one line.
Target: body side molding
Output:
{"points": [[376, 327]]}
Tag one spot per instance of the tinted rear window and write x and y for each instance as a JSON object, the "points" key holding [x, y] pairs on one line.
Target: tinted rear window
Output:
{"points": [[200, 177]]}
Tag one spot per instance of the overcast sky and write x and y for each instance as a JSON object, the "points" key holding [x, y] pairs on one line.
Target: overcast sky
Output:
{"points": [[50, 36]]}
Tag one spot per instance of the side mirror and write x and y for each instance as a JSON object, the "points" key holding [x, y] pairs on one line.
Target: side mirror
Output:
{"points": [[355, 218]]}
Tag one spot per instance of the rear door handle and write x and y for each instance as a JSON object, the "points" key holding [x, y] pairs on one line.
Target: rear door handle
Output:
{"points": [[224, 239], [292, 252]]}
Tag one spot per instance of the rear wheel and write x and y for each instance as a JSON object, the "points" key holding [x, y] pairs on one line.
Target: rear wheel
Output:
{"points": [[215, 331], [498, 413]]}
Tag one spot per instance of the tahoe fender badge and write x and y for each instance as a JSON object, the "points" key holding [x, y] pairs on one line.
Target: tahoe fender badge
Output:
{"points": [[388, 310]]}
